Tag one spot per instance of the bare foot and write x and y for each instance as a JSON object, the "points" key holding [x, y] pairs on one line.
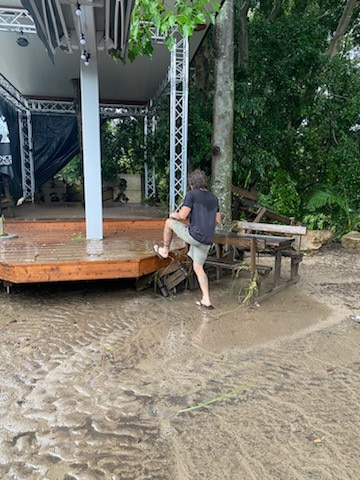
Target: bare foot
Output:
{"points": [[161, 252]]}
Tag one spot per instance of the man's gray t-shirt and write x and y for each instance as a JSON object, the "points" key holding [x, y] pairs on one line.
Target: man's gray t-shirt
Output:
{"points": [[204, 206]]}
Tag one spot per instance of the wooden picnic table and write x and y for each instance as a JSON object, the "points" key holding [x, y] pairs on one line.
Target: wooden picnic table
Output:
{"points": [[255, 243], [260, 244]]}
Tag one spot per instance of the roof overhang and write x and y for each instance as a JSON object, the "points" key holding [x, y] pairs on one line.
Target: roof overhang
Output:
{"points": [[40, 73]]}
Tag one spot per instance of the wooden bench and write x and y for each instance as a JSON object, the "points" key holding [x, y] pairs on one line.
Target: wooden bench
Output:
{"points": [[262, 239], [292, 233]]}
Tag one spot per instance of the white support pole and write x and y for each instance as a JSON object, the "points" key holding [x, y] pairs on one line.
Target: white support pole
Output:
{"points": [[89, 82]]}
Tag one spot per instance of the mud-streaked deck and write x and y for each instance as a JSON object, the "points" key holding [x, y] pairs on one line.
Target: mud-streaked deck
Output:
{"points": [[35, 251]]}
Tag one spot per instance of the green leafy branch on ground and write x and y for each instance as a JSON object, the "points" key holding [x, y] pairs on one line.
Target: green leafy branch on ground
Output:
{"points": [[242, 388]]}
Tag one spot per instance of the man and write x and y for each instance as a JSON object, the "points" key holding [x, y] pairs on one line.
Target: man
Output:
{"points": [[202, 208]]}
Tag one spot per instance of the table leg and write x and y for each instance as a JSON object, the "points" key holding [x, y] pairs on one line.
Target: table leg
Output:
{"points": [[277, 269], [252, 258]]}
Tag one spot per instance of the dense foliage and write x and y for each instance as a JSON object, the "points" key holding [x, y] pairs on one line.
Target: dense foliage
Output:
{"points": [[296, 129]]}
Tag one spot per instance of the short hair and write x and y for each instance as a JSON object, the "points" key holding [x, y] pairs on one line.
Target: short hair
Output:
{"points": [[197, 179]]}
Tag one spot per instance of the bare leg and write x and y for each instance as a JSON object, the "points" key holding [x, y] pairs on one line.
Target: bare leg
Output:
{"points": [[203, 283], [167, 237]]}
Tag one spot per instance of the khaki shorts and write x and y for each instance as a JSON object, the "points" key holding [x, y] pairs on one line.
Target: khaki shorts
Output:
{"points": [[197, 251]]}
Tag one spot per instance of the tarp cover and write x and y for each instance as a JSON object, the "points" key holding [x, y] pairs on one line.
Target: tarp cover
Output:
{"points": [[12, 171], [55, 143]]}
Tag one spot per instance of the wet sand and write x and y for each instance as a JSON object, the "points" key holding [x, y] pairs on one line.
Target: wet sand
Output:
{"points": [[94, 379]]}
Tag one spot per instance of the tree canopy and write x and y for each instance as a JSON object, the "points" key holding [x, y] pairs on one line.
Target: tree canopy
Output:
{"points": [[296, 106]]}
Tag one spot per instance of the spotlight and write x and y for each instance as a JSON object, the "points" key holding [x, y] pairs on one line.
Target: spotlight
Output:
{"points": [[87, 61], [82, 39], [78, 9], [22, 41], [83, 55]]}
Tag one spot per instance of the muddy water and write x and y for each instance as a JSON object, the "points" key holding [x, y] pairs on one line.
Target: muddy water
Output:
{"points": [[95, 378]]}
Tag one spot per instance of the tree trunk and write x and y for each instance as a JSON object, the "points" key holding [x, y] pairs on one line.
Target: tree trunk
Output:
{"points": [[223, 120], [342, 27], [243, 51], [202, 69], [275, 10]]}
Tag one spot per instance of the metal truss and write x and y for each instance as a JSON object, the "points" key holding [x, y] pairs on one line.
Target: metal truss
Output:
{"points": [[27, 160], [12, 95], [179, 91], [122, 110], [67, 107], [16, 20], [50, 106], [149, 165], [16, 100]]}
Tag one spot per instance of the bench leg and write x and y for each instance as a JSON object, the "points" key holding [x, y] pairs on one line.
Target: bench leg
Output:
{"points": [[295, 261], [277, 269], [252, 258]]}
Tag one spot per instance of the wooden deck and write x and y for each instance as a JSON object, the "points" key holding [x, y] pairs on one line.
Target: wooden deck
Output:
{"points": [[57, 250]]}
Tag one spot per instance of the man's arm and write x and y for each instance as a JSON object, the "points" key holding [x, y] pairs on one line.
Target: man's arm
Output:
{"points": [[217, 218], [182, 214]]}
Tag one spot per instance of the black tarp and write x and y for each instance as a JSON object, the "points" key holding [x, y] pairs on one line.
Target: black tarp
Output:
{"points": [[55, 143], [13, 174]]}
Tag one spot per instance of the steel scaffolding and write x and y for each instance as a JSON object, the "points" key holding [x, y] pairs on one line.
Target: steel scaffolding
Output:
{"points": [[27, 160], [175, 83], [149, 167], [179, 80]]}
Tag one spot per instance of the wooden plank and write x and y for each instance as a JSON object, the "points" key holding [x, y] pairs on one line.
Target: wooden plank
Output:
{"points": [[278, 217], [265, 238], [242, 192], [260, 214], [277, 289], [272, 228], [236, 265], [243, 240], [112, 225]]}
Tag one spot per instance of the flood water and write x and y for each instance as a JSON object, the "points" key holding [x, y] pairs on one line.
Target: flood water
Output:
{"points": [[99, 381]]}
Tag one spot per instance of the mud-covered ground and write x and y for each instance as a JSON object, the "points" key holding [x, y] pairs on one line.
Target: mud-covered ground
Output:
{"points": [[95, 378]]}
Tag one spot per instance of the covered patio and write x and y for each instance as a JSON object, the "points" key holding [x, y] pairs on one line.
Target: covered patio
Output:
{"points": [[56, 61]]}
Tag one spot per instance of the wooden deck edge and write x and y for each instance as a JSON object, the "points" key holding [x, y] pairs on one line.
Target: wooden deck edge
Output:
{"points": [[109, 225], [78, 271]]}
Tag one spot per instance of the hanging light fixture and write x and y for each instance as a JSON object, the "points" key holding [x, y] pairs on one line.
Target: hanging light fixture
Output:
{"points": [[22, 41], [83, 55], [87, 60], [82, 39], [78, 9]]}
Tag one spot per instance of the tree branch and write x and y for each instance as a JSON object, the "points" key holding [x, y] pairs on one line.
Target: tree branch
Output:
{"points": [[342, 26]]}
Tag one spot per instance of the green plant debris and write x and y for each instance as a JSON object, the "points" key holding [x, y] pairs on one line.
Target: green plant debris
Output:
{"points": [[78, 237], [247, 293], [216, 399]]}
